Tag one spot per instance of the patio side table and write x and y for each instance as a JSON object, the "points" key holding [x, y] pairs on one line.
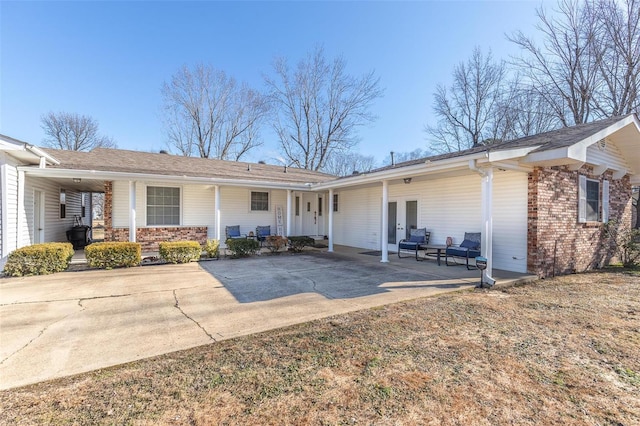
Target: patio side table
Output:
{"points": [[434, 250]]}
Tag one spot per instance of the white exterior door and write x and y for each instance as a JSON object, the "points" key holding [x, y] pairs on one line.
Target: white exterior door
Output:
{"points": [[403, 216], [309, 214], [38, 217]]}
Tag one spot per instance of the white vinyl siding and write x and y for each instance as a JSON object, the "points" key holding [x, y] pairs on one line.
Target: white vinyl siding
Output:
{"points": [[198, 206], [236, 203], [11, 215], [361, 226], [510, 221], [120, 204], [610, 156], [448, 207], [54, 228]]}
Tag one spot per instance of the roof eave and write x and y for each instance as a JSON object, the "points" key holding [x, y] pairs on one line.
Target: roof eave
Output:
{"points": [[34, 153], [124, 176], [510, 154], [401, 172], [577, 152]]}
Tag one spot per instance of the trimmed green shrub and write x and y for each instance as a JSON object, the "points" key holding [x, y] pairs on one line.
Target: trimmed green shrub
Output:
{"points": [[113, 254], [275, 243], [212, 248], [241, 247], [39, 259], [297, 244], [180, 251]]}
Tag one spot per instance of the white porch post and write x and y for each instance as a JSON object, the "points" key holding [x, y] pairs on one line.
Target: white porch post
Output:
{"points": [[487, 223], [216, 195], [330, 230], [132, 211], [289, 203], [385, 222], [21, 213]]}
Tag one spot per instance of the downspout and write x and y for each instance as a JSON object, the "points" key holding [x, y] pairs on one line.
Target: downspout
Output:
{"points": [[487, 218], [4, 206]]}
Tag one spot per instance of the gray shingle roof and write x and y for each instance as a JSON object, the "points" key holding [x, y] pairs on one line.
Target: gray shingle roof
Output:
{"points": [[553, 139], [119, 160]]}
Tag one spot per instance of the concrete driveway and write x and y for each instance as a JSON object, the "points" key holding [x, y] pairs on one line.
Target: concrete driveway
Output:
{"points": [[73, 322]]}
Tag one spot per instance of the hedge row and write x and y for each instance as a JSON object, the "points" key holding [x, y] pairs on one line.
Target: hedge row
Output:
{"points": [[111, 255], [242, 247], [39, 259], [180, 251]]}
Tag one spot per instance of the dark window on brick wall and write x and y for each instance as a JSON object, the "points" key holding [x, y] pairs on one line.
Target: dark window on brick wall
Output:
{"points": [[593, 200]]}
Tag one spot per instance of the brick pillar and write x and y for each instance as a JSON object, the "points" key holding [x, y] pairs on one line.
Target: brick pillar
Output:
{"points": [[108, 211], [532, 221]]}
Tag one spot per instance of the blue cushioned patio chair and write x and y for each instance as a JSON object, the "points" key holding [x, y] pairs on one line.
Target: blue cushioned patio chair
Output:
{"points": [[262, 232], [469, 248], [418, 238], [233, 232]]}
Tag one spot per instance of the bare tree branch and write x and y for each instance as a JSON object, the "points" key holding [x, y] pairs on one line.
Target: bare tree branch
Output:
{"points": [[319, 108], [207, 114], [346, 163], [73, 132], [468, 109]]}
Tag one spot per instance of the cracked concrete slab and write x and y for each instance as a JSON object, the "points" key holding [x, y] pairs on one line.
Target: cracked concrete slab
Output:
{"points": [[68, 323]]}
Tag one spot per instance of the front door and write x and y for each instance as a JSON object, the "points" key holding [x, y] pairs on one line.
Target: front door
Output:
{"points": [[38, 217], [309, 213], [403, 217]]}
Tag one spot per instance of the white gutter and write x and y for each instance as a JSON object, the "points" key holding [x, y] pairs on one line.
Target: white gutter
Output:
{"points": [[40, 153], [400, 172], [115, 176]]}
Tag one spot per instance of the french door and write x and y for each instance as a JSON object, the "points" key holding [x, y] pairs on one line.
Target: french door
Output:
{"points": [[403, 217]]}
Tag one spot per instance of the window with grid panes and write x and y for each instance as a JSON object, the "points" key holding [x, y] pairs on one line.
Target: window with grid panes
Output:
{"points": [[259, 201], [163, 206]]}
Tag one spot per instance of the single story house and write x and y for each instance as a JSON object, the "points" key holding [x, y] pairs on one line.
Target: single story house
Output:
{"points": [[539, 201]]}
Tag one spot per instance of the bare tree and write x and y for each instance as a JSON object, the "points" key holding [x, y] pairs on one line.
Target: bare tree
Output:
{"points": [[618, 47], [346, 163], [524, 112], [319, 108], [564, 70], [467, 111], [208, 114], [73, 132]]}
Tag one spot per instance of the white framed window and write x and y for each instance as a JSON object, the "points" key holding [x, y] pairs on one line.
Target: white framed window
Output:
{"points": [[335, 202], [259, 201], [163, 206], [297, 206], [320, 206], [593, 200]]}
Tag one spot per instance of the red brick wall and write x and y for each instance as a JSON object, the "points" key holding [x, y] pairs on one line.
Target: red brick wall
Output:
{"points": [[556, 242], [149, 238]]}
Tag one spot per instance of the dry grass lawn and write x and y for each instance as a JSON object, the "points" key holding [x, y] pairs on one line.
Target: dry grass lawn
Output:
{"points": [[560, 351]]}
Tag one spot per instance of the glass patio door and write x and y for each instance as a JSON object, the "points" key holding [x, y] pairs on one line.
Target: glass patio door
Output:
{"points": [[403, 216]]}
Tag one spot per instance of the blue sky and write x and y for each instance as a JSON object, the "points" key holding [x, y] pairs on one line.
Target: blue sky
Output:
{"points": [[110, 59]]}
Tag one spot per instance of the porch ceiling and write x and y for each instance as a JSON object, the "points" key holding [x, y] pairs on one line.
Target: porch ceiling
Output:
{"points": [[85, 185]]}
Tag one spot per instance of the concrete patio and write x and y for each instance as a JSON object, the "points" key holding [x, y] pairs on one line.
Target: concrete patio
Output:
{"points": [[73, 322]]}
